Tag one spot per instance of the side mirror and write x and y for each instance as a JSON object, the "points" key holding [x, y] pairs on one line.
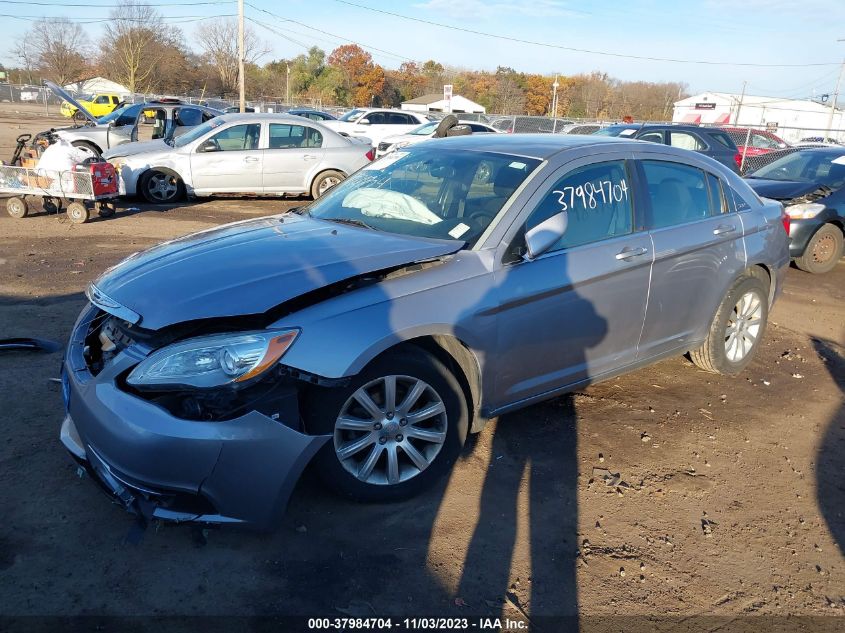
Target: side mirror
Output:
{"points": [[546, 234], [207, 146], [364, 122]]}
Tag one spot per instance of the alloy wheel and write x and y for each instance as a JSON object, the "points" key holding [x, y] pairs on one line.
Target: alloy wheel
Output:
{"points": [[743, 327], [390, 430], [162, 187], [327, 183]]}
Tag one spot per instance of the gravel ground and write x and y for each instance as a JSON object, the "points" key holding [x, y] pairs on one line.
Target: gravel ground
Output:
{"points": [[728, 499]]}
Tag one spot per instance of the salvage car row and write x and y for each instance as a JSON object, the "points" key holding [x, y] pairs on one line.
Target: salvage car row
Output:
{"points": [[167, 150]]}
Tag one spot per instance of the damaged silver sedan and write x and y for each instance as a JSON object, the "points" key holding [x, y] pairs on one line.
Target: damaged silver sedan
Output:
{"points": [[368, 333]]}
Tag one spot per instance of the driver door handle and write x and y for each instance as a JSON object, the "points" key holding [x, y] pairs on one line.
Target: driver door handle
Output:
{"points": [[309, 157], [250, 159], [628, 252], [724, 228]]}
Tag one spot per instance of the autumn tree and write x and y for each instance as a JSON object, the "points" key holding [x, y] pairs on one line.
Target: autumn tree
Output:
{"points": [[56, 48], [363, 80]]}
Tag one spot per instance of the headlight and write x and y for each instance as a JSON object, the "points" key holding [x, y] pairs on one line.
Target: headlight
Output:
{"points": [[804, 211], [213, 361]]}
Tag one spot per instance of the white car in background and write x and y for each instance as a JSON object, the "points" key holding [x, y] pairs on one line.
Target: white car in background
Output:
{"points": [[426, 131], [375, 124], [263, 154]]}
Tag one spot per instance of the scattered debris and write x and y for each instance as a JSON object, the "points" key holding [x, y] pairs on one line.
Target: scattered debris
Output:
{"points": [[707, 526], [766, 382], [611, 480], [797, 375], [622, 572], [645, 437]]}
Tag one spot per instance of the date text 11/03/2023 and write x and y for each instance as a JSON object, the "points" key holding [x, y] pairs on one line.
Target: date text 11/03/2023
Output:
{"points": [[417, 624]]}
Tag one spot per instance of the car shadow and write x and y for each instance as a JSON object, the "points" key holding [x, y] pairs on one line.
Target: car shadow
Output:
{"points": [[830, 489]]}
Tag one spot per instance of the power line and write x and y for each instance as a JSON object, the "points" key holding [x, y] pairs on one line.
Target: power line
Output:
{"points": [[337, 37], [79, 20], [582, 50], [115, 5]]}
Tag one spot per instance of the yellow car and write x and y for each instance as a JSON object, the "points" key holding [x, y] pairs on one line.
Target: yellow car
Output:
{"points": [[97, 105]]}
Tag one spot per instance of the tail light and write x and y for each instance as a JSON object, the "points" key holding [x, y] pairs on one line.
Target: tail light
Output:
{"points": [[738, 159], [785, 219], [371, 155]]}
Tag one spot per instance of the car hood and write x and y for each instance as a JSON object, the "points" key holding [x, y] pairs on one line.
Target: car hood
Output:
{"points": [[64, 95], [250, 267], [781, 189], [133, 149]]}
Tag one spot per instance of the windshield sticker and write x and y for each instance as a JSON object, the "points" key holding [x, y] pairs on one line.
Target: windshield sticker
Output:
{"points": [[459, 231], [386, 161], [627, 132], [839, 161], [588, 195], [517, 165]]}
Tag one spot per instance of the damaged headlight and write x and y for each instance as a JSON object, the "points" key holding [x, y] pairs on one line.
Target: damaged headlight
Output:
{"points": [[213, 361], [804, 211]]}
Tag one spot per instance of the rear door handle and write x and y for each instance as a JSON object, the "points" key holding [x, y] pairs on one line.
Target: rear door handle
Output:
{"points": [[724, 228], [628, 252], [250, 159], [309, 157]]}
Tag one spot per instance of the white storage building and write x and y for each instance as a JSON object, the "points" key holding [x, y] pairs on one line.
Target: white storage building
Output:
{"points": [[791, 119], [98, 84], [436, 103]]}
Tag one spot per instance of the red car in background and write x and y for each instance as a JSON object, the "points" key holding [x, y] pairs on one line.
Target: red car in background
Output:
{"points": [[759, 142]]}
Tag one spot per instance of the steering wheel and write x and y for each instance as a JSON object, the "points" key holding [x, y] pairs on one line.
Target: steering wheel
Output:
{"points": [[480, 219]]}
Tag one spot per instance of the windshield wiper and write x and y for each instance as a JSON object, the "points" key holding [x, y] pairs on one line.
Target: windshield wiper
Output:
{"points": [[351, 222]]}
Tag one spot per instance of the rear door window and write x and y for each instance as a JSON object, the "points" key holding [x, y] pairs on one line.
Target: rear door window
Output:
{"points": [[597, 201], [724, 139], [284, 136], [678, 194], [685, 140], [654, 137]]}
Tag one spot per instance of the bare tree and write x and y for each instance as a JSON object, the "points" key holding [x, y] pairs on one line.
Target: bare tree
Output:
{"points": [[57, 48], [219, 41], [135, 39]]}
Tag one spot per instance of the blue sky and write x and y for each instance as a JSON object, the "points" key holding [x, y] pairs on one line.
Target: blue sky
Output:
{"points": [[753, 31]]}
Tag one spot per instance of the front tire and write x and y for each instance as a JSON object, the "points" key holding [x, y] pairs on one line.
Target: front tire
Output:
{"points": [[396, 428], [736, 330], [160, 187], [823, 251]]}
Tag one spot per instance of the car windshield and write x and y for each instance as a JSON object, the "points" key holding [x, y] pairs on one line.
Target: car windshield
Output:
{"points": [[425, 192], [822, 167], [197, 132], [352, 115], [616, 130], [425, 129], [122, 116]]}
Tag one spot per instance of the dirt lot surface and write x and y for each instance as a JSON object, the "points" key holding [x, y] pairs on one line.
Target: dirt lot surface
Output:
{"points": [[728, 499]]}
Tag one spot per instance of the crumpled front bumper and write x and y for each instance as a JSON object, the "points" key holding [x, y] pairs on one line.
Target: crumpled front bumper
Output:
{"points": [[159, 466]]}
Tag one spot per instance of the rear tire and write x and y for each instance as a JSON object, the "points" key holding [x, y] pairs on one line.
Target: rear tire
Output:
{"points": [[823, 251], [325, 181], [17, 207], [425, 437], [736, 330]]}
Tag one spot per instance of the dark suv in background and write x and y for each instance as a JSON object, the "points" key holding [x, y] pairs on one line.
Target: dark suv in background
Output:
{"points": [[712, 142]]}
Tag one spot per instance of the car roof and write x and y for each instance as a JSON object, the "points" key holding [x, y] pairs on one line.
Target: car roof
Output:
{"points": [[540, 146], [273, 117]]}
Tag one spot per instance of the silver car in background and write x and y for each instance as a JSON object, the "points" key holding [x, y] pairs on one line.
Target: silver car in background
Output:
{"points": [[259, 154], [371, 331], [132, 122]]}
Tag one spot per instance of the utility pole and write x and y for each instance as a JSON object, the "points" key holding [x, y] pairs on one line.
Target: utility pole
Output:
{"points": [[739, 106], [287, 86], [835, 98], [555, 86], [241, 78]]}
